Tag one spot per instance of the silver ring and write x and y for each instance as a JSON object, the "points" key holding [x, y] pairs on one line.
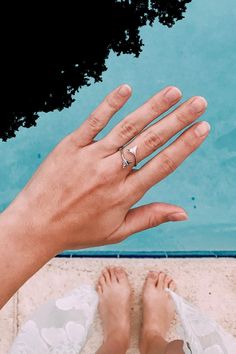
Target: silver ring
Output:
{"points": [[125, 162]]}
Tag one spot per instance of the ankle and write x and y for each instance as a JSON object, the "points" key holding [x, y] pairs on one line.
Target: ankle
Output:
{"points": [[152, 342], [118, 339]]}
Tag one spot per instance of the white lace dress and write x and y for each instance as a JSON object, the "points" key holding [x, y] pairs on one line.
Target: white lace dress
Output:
{"points": [[201, 334], [62, 326]]}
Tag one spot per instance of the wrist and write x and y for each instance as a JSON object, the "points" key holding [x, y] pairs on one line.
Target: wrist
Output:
{"points": [[19, 225], [23, 251]]}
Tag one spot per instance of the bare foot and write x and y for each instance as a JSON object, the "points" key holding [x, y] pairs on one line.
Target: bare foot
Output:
{"points": [[158, 307], [115, 302]]}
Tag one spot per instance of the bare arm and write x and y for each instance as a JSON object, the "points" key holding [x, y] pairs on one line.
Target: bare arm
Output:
{"points": [[22, 251]]}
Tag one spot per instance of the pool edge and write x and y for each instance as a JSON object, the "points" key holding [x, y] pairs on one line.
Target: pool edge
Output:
{"points": [[151, 254]]}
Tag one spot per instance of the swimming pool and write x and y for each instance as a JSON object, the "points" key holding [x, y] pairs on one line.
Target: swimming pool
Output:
{"points": [[198, 55]]}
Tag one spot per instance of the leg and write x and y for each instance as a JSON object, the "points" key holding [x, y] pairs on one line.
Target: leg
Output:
{"points": [[158, 312], [175, 347], [115, 295]]}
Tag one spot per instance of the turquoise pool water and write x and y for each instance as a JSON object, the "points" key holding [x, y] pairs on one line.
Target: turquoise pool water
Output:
{"points": [[198, 55]]}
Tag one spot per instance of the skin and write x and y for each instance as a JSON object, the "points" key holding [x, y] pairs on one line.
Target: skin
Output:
{"points": [[158, 312], [114, 305], [83, 180]]}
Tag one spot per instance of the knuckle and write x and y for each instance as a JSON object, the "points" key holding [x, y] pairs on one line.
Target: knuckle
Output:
{"points": [[112, 102], [69, 140], [167, 165], [128, 130], [104, 176], [94, 122], [153, 140], [107, 177], [180, 117], [140, 188], [189, 142], [155, 106], [152, 220]]}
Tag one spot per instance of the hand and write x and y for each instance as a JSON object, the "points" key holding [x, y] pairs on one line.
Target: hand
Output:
{"points": [[82, 197]]}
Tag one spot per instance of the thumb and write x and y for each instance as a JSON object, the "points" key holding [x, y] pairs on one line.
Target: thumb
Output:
{"points": [[148, 216]]}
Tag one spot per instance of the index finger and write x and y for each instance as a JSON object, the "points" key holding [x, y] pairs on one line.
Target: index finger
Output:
{"points": [[99, 118]]}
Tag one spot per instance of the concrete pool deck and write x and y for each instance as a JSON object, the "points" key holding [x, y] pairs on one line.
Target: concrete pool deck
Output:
{"points": [[208, 283]]}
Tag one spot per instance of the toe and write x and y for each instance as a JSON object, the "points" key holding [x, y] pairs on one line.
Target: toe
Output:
{"points": [[120, 274], [102, 282], [167, 281], [172, 285], [161, 281], [112, 273], [106, 275], [151, 278], [99, 289]]}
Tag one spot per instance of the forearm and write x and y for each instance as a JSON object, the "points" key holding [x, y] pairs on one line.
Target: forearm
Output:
{"points": [[22, 252]]}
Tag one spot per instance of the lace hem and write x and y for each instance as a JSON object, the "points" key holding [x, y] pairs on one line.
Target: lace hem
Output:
{"points": [[59, 327], [202, 335]]}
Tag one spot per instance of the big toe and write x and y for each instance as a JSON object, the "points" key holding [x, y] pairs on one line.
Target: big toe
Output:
{"points": [[151, 278], [121, 274]]}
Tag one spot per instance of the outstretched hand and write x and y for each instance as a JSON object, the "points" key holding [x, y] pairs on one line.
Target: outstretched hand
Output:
{"points": [[81, 196]]}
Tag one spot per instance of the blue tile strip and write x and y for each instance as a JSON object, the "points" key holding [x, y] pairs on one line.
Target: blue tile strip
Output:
{"points": [[127, 254]]}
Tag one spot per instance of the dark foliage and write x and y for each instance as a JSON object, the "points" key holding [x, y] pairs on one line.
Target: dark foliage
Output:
{"points": [[90, 32]]}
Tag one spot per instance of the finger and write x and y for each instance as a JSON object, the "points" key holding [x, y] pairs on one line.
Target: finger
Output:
{"points": [[168, 159], [159, 133], [99, 118], [134, 123], [146, 217]]}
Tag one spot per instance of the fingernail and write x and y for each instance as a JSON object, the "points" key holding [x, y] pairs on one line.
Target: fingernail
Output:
{"points": [[177, 217], [202, 128], [198, 104], [172, 94], [124, 90]]}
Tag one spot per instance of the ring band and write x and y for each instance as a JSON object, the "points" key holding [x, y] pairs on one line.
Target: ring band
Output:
{"points": [[133, 151], [125, 162]]}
